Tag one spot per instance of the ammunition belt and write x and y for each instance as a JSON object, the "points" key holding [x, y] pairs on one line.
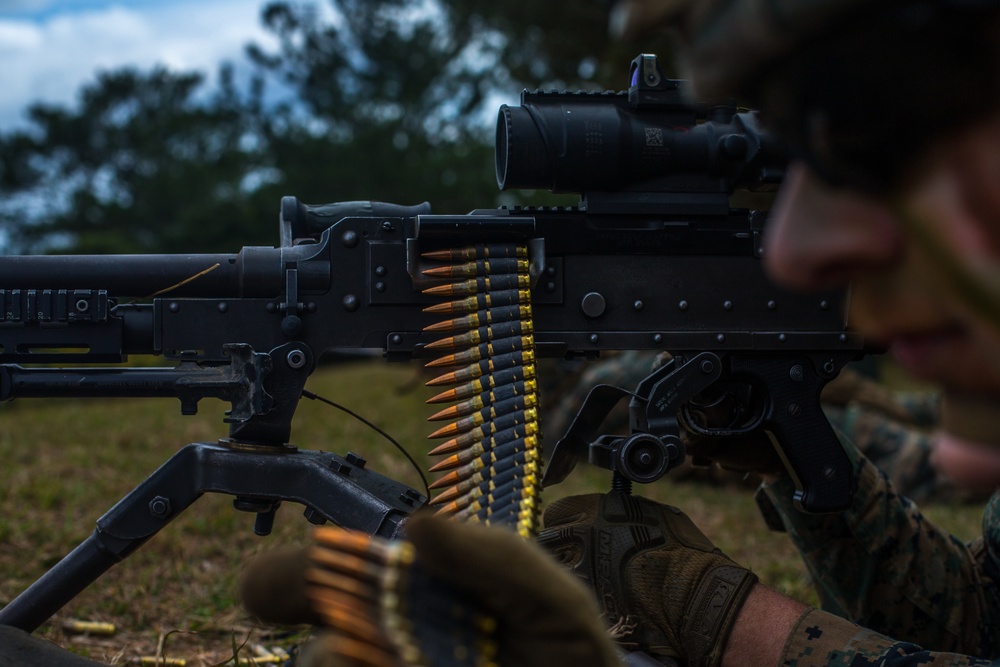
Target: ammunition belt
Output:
{"points": [[386, 610], [493, 454]]}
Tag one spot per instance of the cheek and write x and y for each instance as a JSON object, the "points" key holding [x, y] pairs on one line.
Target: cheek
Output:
{"points": [[978, 168], [942, 203], [957, 245], [964, 190]]}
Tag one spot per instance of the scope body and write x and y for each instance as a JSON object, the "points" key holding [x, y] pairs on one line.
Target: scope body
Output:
{"points": [[650, 138]]}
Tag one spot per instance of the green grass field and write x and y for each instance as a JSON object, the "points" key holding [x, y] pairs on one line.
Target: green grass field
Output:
{"points": [[66, 462]]}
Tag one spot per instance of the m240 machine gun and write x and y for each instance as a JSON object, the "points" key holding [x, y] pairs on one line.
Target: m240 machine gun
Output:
{"points": [[652, 258]]}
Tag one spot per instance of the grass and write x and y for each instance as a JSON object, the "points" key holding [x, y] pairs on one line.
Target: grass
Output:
{"points": [[67, 462]]}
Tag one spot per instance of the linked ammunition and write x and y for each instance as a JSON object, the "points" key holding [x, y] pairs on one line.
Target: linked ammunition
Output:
{"points": [[471, 304], [497, 282], [496, 396], [515, 505], [352, 542], [481, 367], [394, 603], [338, 612], [480, 251], [484, 334], [516, 511], [446, 628], [512, 408], [476, 453], [478, 479], [365, 567], [498, 424], [485, 351], [500, 458], [509, 515], [490, 490], [485, 432], [479, 267], [492, 454], [480, 385], [361, 589], [481, 318], [489, 463]]}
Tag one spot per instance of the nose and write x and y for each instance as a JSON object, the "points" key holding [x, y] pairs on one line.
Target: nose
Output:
{"points": [[819, 237]]}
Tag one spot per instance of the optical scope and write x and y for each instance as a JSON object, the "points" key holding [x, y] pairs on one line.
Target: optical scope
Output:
{"points": [[650, 138]]}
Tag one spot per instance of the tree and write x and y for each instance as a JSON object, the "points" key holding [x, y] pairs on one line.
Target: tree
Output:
{"points": [[417, 84], [140, 167], [387, 99], [555, 45]]}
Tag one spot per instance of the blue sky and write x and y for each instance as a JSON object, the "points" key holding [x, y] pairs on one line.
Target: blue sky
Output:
{"points": [[42, 9], [48, 48]]}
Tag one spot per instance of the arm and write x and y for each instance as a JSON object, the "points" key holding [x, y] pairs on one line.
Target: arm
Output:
{"points": [[883, 565], [817, 639], [766, 612]]}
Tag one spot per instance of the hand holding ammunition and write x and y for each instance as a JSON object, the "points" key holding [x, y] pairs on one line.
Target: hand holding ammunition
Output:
{"points": [[453, 594], [544, 617], [664, 588]]}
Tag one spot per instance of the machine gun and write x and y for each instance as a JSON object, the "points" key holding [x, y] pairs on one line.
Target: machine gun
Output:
{"points": [[652, 258]]}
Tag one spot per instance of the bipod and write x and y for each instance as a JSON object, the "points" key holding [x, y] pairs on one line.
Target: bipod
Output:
{"points": [[332, 488]]}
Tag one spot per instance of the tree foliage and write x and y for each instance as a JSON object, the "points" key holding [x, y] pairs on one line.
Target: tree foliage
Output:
{"points": [[372, 99], [141, 166]]}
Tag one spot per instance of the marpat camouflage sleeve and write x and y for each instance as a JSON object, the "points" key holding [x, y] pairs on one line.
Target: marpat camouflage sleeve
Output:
{"points": [[821, 639], [882, 565]]}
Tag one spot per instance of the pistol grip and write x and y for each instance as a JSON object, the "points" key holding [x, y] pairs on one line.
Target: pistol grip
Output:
{"points": [[820, 467], [822, 471]]}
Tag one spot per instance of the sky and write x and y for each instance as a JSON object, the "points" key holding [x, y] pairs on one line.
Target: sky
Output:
{"points": [[48, 48]]}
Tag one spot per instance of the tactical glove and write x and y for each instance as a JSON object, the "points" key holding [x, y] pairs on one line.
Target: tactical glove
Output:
{"points": [[663, 587]]}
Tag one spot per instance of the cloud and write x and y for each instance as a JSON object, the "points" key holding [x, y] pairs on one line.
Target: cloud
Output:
{"points": [[26, 6], [49, 59]]}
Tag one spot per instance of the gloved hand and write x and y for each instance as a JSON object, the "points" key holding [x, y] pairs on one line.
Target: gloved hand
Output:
{"points": [[663, 587], [544, 617]]}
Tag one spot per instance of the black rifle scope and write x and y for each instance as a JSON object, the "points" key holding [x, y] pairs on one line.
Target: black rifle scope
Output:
{"points": [[648, 139]]}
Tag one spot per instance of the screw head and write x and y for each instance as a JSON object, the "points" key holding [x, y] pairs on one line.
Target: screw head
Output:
{"points": [[159, 506]]}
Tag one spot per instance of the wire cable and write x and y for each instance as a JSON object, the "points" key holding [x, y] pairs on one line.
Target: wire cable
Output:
{"points": [[423, 478]]}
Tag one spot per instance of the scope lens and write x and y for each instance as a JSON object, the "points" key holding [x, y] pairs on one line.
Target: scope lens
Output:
{"points": [[521, 150]]}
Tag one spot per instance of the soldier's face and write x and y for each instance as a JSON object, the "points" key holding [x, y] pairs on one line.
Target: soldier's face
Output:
{"points": [[923, 265]]}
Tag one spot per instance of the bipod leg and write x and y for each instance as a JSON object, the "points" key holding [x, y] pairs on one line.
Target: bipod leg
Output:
{"points": [[331, 487]]}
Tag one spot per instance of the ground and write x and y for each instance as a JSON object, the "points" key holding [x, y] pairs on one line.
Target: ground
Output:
{"points": [[68, 461]]}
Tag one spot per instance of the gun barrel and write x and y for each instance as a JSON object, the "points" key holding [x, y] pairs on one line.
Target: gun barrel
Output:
{"points": [[125, 275], [18, 382], [253, 272]]}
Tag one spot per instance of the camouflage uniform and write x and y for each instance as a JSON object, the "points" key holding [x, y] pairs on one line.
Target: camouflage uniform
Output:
{"points": [[896, 431], [882, 565]]}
